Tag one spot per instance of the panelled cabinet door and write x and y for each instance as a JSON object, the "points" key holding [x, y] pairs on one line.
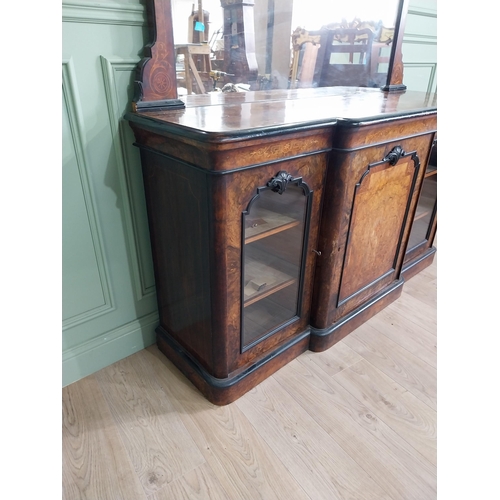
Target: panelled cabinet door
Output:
{"points": [[380, 208], [275, 226], [364, 242]]}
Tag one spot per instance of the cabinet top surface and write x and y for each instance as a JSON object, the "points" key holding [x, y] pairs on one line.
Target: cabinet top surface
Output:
{"points": [[241, 113]]}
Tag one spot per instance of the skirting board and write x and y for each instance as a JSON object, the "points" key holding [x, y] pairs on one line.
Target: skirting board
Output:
{"points": [[108, 348]]}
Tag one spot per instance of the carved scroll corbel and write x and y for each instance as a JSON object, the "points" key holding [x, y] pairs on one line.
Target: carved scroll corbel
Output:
{"points": [[279, 183], [395, 155]]}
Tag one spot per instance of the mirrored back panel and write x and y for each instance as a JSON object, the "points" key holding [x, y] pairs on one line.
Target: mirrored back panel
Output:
{"points": [[240, 45]]}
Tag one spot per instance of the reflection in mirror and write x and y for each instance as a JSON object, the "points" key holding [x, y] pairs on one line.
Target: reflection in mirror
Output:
{"points": [[238, 45]]}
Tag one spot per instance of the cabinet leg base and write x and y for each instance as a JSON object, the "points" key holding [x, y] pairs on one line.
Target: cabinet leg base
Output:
{"points": [[414, 266], [224, 391], [322, 339]]}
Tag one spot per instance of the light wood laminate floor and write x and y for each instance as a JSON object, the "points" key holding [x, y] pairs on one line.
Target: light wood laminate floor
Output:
{"points": [[355, 422]]}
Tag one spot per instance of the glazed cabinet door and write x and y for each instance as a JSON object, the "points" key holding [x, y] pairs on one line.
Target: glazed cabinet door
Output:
{"points": [[274, 241], [420, 251], [270, 229]]}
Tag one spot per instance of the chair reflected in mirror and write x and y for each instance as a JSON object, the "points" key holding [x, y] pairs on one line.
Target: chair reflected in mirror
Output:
{"points": [[338, 56], [305, 47]]}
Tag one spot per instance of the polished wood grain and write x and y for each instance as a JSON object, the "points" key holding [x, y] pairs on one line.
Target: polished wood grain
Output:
{"points": [[311, 430], [366, 222], [217, 98], [240, 116]]}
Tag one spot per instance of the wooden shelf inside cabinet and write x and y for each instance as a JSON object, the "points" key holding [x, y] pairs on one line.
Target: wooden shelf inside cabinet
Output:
{"points": [[420, 215], [265, 316], [431, 170], [262, 280], [427, 198], [263, 223]]}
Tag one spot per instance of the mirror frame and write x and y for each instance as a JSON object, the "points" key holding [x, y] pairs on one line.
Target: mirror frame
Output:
{"points": [[395, 70], [156, 80]]}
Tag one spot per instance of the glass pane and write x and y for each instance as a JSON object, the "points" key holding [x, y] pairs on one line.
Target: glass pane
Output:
{"points": [[274, 237], [425, 208], [264, 44]]}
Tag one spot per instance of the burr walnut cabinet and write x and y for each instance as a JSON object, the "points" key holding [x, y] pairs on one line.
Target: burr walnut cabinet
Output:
{"points": [[279, 221], [374, 178]]}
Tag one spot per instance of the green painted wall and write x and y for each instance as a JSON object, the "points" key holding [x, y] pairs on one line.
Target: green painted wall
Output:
{"points": [[420, 46], [109, 302]]}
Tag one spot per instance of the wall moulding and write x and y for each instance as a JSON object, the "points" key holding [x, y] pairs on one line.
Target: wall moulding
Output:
{"points": [[143, 277], [104, 13], [72, 104], [111, 346]]}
